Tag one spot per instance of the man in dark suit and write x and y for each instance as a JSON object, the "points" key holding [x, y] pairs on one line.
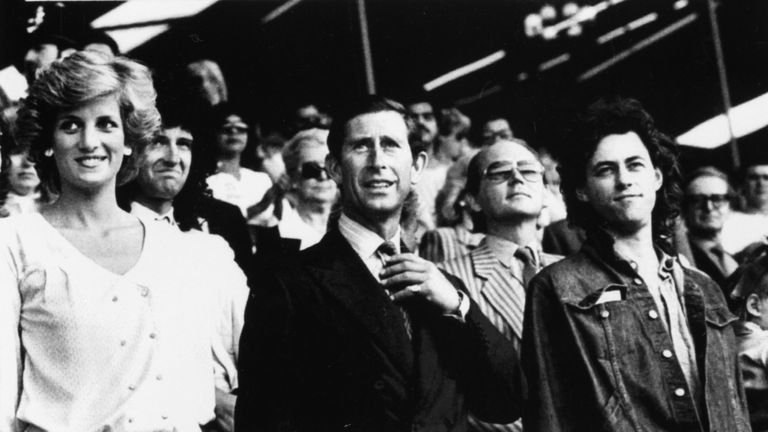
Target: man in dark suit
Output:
{"points": [[706, 207], [361, 335]]}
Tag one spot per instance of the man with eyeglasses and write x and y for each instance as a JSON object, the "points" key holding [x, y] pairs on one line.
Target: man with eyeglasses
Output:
{"points": [[750, 225], [706, 207], [621, 336], [505, 190]]}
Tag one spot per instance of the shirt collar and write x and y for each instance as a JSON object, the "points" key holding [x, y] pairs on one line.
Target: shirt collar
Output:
{"points": [[503, 249], [143, 212], [364, 241]]}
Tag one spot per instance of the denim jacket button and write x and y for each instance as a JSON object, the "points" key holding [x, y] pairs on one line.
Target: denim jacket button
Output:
{"points": [[679, 392], [652, 314], [667, 353], [605, 314]]}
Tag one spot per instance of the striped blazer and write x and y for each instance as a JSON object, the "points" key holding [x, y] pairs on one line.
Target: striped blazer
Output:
{"points": [[499, 292], [447, 243]]}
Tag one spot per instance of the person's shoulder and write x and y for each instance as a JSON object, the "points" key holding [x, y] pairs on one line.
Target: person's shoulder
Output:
{"points": [[572, 276], [217, 207], [255, 176], [458, 264], [547, 259], [16, 224]]}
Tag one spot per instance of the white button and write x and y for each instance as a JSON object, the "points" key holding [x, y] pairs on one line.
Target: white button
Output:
{"points": [[638, 281], [667, 353], [679, 392], [652, 314], [605, 314], [633, 265]]}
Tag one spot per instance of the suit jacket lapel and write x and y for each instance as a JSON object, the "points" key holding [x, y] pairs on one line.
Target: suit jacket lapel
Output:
{"points": [[347, 279], [501, 291]]}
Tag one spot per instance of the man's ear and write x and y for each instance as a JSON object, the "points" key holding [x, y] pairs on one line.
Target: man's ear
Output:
{"points": [[472, 203], [753, 306], [659, 179], [334, 168], [581, 195], [419, 163]]}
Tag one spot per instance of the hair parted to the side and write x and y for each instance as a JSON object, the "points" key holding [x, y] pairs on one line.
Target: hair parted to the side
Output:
{"points": [[75, 81], [611, 116], [364, 105]]}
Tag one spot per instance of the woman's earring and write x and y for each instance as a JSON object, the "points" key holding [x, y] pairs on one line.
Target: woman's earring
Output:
{"points": [[128, 151], [48, 152]]}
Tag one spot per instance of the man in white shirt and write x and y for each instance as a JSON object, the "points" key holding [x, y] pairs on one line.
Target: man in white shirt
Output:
{"points": [[361, 334]]}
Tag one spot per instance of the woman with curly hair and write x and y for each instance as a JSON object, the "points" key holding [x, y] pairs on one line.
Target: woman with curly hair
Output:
{"points": [[106, 322]]}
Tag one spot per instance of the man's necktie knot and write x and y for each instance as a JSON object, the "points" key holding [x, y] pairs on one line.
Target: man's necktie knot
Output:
{"points": [[387, 249]]}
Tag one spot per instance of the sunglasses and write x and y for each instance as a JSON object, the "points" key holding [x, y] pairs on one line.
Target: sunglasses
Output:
{"points": [[236, 128], [717, 200], [313, 170], [500, 172]]}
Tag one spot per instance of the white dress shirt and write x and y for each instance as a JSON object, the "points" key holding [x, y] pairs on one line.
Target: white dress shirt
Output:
{"points": [[147, 214], [85, 349]]}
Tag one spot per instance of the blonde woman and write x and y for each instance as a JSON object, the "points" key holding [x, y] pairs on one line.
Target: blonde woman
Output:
{"points": [[106, 323]]}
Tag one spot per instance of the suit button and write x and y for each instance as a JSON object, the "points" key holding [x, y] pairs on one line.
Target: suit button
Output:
{"points": [[666, 353], [652, 314], [679, 392], [605, 314], [378, 385], [637, 281]]}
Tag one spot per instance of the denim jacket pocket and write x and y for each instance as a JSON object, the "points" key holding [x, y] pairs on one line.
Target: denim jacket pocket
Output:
{"points": [[719, 317], [608, 329]]}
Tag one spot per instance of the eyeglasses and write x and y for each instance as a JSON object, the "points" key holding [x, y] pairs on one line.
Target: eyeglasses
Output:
{"points": [[234, 128], [313, 170], [500, 172], [717, 200]]}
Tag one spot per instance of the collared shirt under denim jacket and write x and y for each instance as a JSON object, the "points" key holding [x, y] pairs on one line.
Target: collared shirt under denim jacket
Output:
{"points": [[597, 355]]}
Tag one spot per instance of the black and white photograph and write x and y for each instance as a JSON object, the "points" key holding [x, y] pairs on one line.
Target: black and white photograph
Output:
{"points": [[383, 215]]}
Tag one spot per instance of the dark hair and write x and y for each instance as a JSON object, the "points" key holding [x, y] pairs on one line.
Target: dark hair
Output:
{"points": [[76, 81], [750, 278], [363, 105], [618, 116], [187, 205], [99, 37]]}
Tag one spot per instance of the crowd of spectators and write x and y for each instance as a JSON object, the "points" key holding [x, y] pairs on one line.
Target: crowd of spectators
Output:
{"points": [[141, 232]]}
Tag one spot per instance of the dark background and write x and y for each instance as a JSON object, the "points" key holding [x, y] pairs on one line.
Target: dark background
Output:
{"points": [[313, 53]]}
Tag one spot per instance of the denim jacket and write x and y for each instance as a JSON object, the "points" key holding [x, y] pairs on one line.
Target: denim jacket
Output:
{"points": [[597, 356]]}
